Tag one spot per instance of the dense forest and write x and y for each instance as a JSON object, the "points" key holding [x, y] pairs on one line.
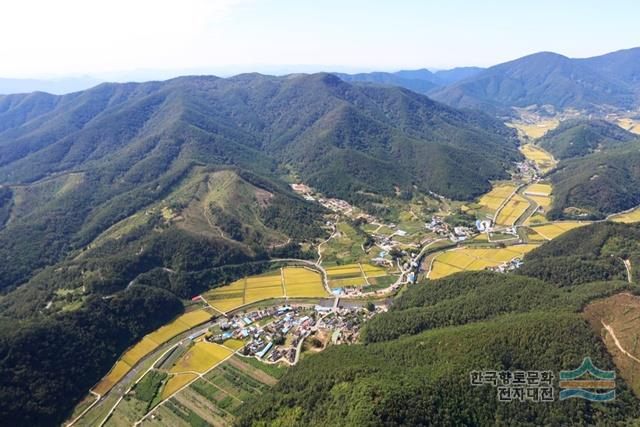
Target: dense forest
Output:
{"points": [[470, 297], [595, 252], [598, 170], [47, 366], [413, 367], [577, 138], [550, 79]]}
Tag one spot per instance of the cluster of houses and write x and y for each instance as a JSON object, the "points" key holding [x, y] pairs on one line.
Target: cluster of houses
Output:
{"points": [[276, 334], [527, 169], [455, 234], [507, 266]]}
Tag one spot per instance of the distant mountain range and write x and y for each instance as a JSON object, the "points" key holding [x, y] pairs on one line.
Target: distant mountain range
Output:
{"points": [[599, 83], [53, 86], [610, 81], [422, 81]]}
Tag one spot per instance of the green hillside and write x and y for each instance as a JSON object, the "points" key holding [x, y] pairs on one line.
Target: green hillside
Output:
{"points": [[576, 138], [594, 252], [78, 164], [598, 184], [419, 374], [547, 78]]}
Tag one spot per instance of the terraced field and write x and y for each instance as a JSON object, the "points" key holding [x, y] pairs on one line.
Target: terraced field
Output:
{"points": [[358, 275], [494, 198], [541, 194], [543, 159], [512, 210], [149, 343], [535, 130], [473, 259], [627, 217], [629, 124], [217, 398], [290, 282], [303, 283], [552, 230]]}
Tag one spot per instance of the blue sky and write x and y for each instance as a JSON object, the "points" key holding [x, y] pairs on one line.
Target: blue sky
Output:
{"points": [[167, 37]]}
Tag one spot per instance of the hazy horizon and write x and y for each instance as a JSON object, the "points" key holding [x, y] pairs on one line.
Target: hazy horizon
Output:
{"points": [[165, 38]]}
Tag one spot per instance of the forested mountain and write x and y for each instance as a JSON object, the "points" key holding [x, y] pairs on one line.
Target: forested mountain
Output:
{"points": [[575, 138], [610, 80], [414, 368], [599, 169], [623, 65], [421, 81], [77, 164], [134, 193], [594, 252]]}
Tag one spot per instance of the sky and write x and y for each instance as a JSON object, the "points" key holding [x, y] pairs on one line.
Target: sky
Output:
{"points": [[127, 39]]}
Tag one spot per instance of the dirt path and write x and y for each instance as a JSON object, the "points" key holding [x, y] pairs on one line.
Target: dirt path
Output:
{"points": [[627, 265], [617, 343]]}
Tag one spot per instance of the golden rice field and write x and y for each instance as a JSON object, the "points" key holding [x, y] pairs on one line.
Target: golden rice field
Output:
{"points": [[149, 343], [515, 207], [629, 124], [627, 217], [535, 219], [303, 283], [298, 282], [233, 344], [542, 159], [538, 190], [118, 371], [535, 130], [498, 194], [201, 357], [373, 270], [555, 229], [542, 201], [175, 383], [473, 259], [353, 275]]}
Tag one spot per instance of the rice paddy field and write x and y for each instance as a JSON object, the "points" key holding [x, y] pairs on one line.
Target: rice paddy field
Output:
{"points": [[535, 130], [356, 275], [512, 210], [290, 282], [494, 198], [175, 383], [473, 259], [627, 217], [629, 124], [201, 357], [536, 218], [217, 398], [552, 230], [301, 283], [149, 343], [538, 189], [542, 159]]}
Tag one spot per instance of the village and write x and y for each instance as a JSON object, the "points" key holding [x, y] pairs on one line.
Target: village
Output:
{"points": [[277, 334]]}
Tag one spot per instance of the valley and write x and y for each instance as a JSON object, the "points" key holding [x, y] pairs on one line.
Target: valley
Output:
{"points": [[211, 362], [319, 249]]}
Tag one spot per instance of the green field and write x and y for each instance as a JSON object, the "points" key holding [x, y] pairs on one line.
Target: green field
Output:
{"points": [[217, 398]]}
